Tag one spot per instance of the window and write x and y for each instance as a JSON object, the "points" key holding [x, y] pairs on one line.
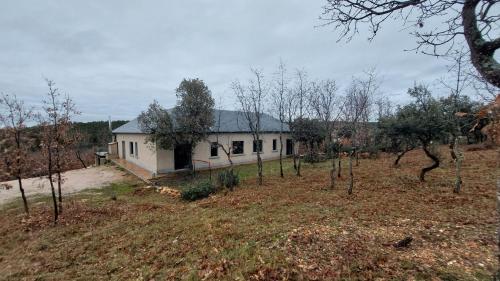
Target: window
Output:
{"points": [[136, 151], [238, 147], [275, 144], [214, 149], [131, 146], [255, 146]]}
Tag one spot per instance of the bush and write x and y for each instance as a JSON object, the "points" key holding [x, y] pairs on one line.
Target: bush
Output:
{"points": [[228, 179], [197, 191]]}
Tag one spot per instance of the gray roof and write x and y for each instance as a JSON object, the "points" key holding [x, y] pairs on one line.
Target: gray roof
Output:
{"points": [[230, 122]]}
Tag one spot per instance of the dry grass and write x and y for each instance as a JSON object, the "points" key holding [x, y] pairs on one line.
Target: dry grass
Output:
{"points": [[292, 228]]}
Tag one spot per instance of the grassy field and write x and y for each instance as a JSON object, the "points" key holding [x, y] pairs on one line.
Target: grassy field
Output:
{"points": [[288, 229]]}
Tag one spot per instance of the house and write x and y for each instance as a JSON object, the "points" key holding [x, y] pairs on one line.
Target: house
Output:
{"points": [[230, 129]]}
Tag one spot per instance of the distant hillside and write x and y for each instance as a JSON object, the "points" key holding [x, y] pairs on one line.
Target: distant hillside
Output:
{"points": [[96, 133]]}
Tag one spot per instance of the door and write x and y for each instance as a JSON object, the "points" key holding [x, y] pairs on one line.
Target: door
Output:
{"points": [[289, 147], [123, 150], [182, 156]]}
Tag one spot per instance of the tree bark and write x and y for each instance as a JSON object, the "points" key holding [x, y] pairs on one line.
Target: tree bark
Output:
{"points": [[431, 167], [59, 179], [332, 173], [54, 199], [25, 201], [339, 165], [458, 167], [281, 154], [351, 175], [259, 167], [482, 52], [400, 155], [497, 277]]}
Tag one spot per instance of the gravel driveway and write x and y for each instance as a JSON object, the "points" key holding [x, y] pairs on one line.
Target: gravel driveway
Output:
{"points": [[74, 180]]}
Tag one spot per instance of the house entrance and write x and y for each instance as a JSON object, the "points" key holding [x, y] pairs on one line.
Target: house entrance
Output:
{"points": [[182, 156]]}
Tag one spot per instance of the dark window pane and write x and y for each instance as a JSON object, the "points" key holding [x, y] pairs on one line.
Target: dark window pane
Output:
{"points": [[238, 147], [275, 144], [131, 148], [255, 146], [214, 149]]}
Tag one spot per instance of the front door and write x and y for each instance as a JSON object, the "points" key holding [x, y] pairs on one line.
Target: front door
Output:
{"points": [[123, 150], [289, 147], [182, 156]]}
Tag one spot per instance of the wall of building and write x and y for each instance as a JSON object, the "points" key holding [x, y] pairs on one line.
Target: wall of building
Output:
{"points": [[162, 161], [202, 151], [146, 152]]}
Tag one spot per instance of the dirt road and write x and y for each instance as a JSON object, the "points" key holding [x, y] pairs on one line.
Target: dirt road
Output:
{"points": [[74, 181]]}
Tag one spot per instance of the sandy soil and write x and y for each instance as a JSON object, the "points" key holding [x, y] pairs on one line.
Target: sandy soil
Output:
{"points": [[74, 181]]}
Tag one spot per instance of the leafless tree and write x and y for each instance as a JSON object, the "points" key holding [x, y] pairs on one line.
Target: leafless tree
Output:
{"points": [[251, 98], [356, 110], [296, 103], [14, 116], [56, 125], [475, 20], [278, 95], [326, 105]]}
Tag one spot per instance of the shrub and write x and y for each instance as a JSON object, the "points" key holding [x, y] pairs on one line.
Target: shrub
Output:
{"points": [[228, 179], [197, 191]]}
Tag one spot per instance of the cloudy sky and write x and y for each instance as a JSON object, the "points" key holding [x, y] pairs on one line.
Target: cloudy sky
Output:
{"points": [[115, 57]]}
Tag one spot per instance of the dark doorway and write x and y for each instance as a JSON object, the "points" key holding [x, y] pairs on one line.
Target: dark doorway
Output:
{"points": [[123, 150], [182, 156], [289, 147]]}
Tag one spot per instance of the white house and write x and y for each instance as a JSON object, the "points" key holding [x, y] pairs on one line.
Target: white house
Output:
{"points": [[232, 132]]}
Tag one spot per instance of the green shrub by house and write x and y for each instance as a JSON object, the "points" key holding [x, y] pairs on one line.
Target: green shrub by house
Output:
{"points": [[228, 179], [197, 191]]}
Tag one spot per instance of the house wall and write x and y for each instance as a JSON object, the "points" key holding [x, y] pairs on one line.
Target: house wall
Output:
{"points": [[202, 151], [162, 161], [146, 152]]}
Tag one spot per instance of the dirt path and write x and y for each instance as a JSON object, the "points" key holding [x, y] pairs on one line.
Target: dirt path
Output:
{"points": [[74, 181]]}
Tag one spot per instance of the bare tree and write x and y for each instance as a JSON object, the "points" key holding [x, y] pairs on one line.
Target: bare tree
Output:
{"points": [[14, 116], [251, 100], [56, 125], [326, 105], [475, 20], [296, 102], [356, 110], [279, 103]]}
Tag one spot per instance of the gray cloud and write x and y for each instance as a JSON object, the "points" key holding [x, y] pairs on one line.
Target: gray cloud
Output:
{"points": [[115, 57]]}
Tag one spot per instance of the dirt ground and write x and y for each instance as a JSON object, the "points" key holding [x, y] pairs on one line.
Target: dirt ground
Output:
{"points": [[74, 181]]}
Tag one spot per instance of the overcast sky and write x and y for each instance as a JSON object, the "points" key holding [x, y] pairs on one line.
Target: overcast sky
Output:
{"points": [[115, 57]]}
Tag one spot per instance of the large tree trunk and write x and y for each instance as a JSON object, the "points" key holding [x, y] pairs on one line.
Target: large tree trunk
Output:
{"points": [[25, 201], [458, 166], [281, 155], [481, 51], [351, 175], [431, 167]]}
